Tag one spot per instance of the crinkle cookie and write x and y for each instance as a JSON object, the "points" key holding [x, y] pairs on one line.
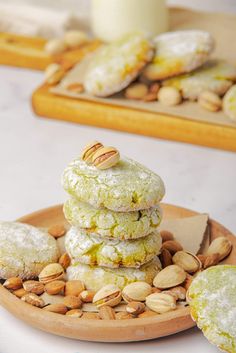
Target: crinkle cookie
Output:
{"points": [[212, 298], [25, 250], [229, 103], [179, 52], [95, 277], [216, 76], [126, 187], [116, 65], [106, 223], [91, 249]]}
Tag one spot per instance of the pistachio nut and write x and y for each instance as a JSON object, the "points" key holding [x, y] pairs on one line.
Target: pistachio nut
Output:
{"points": [[188, 261], [135, 308], [161, 302], [56, 308], [51, 272], [136, 291], [106, 157], [54, 287], [107, 313], [89, 151], [108, 295], [220, 245], [170, 276]]}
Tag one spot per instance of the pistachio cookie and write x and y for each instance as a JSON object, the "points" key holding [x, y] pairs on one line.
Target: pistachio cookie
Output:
{"points": [[116, 65], [94, 277], [212, 299], [25, 250], [179, 52], [106, 223], [91, 249], [126, 187], [216, 76], [229, 103]]}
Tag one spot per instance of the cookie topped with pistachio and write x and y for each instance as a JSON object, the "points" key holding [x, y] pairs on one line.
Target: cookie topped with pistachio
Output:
{"points": [[124, 185]]}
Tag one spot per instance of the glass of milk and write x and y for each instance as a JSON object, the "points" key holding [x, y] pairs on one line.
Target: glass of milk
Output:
{"points": [[111, 19]]}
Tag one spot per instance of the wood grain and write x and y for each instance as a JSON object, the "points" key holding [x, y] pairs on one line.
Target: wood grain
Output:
{"points": [[103, 330]]}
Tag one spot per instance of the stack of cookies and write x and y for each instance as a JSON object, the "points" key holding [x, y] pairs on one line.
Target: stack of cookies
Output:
{"points": [[114, 213]]}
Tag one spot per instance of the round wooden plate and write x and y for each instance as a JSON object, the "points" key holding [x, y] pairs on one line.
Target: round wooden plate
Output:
{"points": [[106, 330]]}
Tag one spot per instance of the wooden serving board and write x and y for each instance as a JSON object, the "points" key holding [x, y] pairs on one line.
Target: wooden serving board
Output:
{"points": [[28, 52], [106, 330]]}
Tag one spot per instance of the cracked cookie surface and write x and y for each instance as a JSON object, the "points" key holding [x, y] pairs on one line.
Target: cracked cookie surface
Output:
{"points": [[107, 223], [91, 249], [114, 66], [95, 277], [25, 250], [126, 187], [213, 305]]}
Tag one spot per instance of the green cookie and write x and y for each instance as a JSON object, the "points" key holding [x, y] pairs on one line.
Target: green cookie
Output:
{"points": [[95, 277], [91, 249], [128, 186], [106, 223], [25, 250], [212, 298]]}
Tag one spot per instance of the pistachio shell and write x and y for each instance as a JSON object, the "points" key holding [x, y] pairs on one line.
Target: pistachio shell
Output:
{"points": [[170, 276], [51, 272], [136, 291], [188, 261], [108, 295]]}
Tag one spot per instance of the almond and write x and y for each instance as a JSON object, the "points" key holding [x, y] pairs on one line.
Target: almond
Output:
{"points": [[136, 91], [166, 235], [179, 291], [56, 308], [74, 313], [33, 287], [75, 87], [13, 283], [170, 276], [123, 316], [156, 290], [135, 308], [146, 314], [107, 313], [57, 231], [72, 302], [64, 261], [202, 258], [19, 293], [220, 245], [90, 316], [55, 287], [74, 288], [165, 258], [187, 281], [172, 246]]}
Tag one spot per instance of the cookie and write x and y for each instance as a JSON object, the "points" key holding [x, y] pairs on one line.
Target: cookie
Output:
{"points": [[126, 187], [216, 76], [95, 277], [179, 52], [25, 250], [212, 302], [116, 65], [91, 249], [106, 223], [229, 103]]}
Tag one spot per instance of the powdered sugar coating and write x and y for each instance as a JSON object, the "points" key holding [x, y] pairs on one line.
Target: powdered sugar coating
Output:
{"points": [[126, 187], [91, 249], [116, 65], [212, 297], [107, 223], [179, 52], [25, 250], [95, 277], [229, 103]]}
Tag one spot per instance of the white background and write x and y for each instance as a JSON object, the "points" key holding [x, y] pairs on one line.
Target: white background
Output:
{"points": [[33, 153]]}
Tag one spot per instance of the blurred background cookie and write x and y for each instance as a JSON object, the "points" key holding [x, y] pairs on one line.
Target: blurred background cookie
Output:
{"points": [[229, 103]]}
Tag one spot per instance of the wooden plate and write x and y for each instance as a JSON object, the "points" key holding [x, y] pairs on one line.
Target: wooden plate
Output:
{"points": [[104, 330]]}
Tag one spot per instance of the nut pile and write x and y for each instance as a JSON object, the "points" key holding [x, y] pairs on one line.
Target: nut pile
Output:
{"points": [[53, 293]]}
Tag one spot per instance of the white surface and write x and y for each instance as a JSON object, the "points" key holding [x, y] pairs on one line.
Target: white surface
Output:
{"points": [[33, 153]]}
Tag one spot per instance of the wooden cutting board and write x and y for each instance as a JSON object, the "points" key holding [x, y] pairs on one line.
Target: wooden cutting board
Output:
{"points": [[107, 330]]}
